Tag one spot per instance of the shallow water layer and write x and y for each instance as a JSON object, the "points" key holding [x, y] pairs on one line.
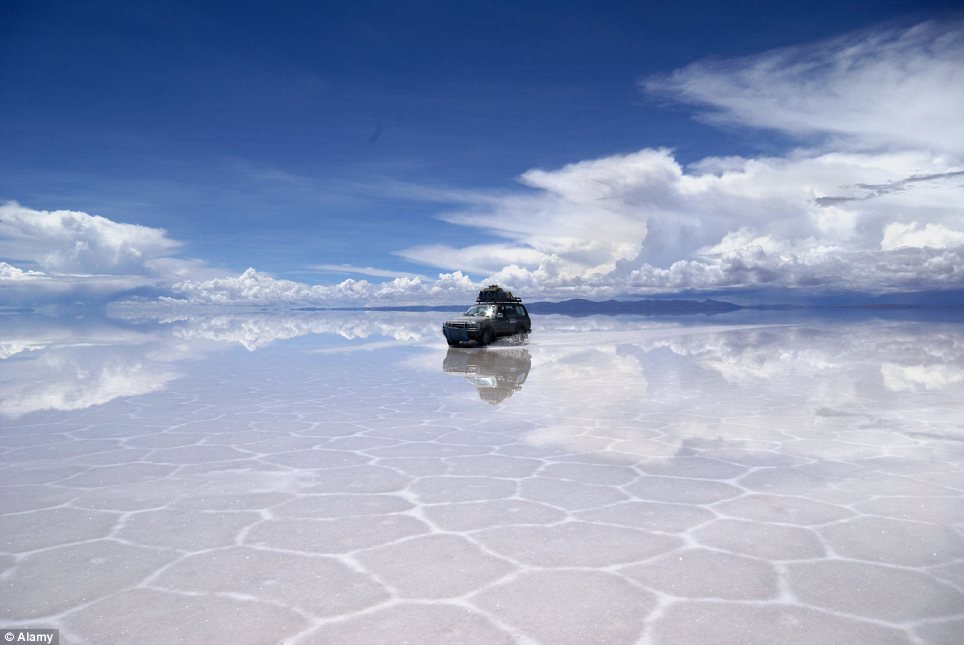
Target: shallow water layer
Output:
{"points": [[345, 477]]}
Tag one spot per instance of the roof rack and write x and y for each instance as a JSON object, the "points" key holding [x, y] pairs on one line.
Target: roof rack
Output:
{"points": [[494, 294]]}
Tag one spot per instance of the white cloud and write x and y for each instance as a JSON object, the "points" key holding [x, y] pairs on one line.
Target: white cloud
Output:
{"points": [[15, 346], [254, 288], [478, 258], [12, 273], [35, 287], [369, 271], [78, 256], [893, 88], [935, 236], [582, 218], [806, 220], [74, 242]]}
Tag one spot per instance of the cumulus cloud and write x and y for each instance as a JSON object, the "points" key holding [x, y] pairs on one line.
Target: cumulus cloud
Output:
{"points": [[873, 202], [254, 288], [936, 236], [14, 274], [75, 255], [74, 242], [646, 223]]}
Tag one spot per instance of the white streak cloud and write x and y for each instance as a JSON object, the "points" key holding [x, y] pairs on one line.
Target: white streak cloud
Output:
{"points": [[884, 88], [369, 271]]}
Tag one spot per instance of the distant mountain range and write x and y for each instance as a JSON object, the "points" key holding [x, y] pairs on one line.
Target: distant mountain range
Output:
{"points": [[667, 306], [581, 307], [759, 298]]}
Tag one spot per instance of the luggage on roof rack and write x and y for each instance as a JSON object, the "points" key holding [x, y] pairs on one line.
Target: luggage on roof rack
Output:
{"points": [[495, 293]]}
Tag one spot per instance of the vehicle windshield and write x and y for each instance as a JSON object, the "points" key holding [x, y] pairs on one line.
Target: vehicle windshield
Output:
{"points": [[481, 310]]}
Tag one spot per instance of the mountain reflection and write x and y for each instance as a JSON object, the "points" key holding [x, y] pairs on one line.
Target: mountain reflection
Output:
{"points": [[495, 373]]}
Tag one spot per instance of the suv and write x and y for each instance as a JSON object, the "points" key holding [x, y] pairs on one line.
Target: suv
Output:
{"points": [[495, 313]]}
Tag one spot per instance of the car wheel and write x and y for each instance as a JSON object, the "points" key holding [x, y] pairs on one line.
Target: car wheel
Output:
{"points": [[453, 343], [488, 337]]}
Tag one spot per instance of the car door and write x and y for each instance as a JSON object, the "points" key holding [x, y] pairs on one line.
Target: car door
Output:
{"points": [[506, 319], [523, 317]]}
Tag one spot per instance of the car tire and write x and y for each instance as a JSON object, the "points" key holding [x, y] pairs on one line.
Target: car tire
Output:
{"points": [[453, 343], [488, 337]]}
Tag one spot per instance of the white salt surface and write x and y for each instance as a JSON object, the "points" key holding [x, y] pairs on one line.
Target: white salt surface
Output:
{"points": [[326, 478]]}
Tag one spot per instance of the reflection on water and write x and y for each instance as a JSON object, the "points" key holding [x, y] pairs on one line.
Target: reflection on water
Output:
{"points": [[495, 373], [256, 330], [318, 478], [71, 364], [55, 364], [52, 364]]}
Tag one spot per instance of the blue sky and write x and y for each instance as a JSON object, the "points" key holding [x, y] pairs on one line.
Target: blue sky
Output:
{"points": [[564, 150]]}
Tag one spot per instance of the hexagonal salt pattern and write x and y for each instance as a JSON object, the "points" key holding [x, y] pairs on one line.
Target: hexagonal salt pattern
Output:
{"points": [[643, 482]]}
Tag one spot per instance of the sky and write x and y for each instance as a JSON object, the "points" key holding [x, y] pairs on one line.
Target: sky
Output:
{"points": [[332, 153]]}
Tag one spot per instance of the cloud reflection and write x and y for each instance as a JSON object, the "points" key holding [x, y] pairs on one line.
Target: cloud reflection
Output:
{"points": [[73, 364], [672, 392], [599, 383]]}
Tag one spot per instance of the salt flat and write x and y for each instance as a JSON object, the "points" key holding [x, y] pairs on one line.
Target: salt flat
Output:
{"points": [[345, 477]]}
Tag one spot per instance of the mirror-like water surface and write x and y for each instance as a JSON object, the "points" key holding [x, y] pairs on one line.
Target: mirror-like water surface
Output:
{"points": [[345, 477]]}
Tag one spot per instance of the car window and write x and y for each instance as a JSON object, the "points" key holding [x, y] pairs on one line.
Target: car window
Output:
{"points": [[480, 310]]}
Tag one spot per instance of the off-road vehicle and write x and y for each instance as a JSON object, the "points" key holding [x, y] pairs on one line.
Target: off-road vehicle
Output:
{"points": [[495, 313]]}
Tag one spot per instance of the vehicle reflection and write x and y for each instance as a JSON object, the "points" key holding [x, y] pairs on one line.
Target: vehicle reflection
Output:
{"points": [[496, 373]]}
